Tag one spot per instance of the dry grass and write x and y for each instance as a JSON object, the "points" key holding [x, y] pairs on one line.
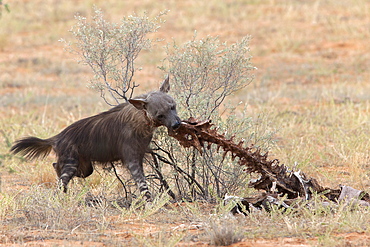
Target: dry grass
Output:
{"points": [[311, 85]]}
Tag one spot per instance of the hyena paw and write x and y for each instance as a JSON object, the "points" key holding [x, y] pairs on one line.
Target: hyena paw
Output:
{"points": [[147, 196]]}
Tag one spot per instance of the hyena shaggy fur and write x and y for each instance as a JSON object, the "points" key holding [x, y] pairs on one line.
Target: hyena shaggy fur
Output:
{"points": [[122, 133]]}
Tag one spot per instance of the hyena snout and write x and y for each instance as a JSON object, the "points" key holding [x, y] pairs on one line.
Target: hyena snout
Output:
{"points": [[170, 120], [176, 124]]}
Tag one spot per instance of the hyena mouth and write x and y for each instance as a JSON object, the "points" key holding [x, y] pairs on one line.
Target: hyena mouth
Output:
{"points": [[176, 125]]}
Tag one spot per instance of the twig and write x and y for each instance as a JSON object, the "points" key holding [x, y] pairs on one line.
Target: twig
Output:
{"points": [[161, 178], [119, 179]]}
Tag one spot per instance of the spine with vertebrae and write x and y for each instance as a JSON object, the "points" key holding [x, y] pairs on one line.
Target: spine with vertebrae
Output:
{"points": [[273, 175]]}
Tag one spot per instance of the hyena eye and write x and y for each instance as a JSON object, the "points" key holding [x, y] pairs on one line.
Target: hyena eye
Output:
{"points": [[160, 116], [173, 108]]}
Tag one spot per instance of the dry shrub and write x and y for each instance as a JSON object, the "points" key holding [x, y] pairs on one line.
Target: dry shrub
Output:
{"points": [[224, 231], [52, 209], [110, 50], [204, 73]]}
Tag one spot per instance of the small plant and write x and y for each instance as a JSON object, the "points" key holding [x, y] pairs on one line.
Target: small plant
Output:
{"points": [[224, 231], [46, 209], [111, 49], [207, 71], [160, 239]]}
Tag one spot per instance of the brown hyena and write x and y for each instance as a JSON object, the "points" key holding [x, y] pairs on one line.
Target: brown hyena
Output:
{"points": [[121, 134]]}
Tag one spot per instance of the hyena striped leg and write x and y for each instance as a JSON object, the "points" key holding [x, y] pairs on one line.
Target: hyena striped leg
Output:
{"points": [[68, 169], [137, 172]]}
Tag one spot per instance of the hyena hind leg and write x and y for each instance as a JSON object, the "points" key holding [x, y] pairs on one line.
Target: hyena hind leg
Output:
{"points": [[66, 170]]}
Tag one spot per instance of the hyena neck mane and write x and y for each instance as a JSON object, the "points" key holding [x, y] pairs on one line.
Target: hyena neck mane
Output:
{"points": [[140, 122]]}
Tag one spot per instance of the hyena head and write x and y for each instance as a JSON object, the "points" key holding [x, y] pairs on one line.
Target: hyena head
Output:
{"points": [[160, 107]]}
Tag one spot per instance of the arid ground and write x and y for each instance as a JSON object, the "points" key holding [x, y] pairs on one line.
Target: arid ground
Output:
{"points": [[311, 86]]}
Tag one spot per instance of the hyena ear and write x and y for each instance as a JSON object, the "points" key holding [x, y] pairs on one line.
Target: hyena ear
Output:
{"points": [[138, 103], [165, 87]]}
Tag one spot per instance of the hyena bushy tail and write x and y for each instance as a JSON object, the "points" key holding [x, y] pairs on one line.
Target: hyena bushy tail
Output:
{"points": [[32, 147]]}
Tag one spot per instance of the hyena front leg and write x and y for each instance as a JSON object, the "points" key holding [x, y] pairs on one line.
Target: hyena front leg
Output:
{"points": [[137, 172], [66, 169]]}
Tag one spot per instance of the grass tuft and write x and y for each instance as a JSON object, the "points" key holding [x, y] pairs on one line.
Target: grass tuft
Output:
{"points": [[224, 231]]}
